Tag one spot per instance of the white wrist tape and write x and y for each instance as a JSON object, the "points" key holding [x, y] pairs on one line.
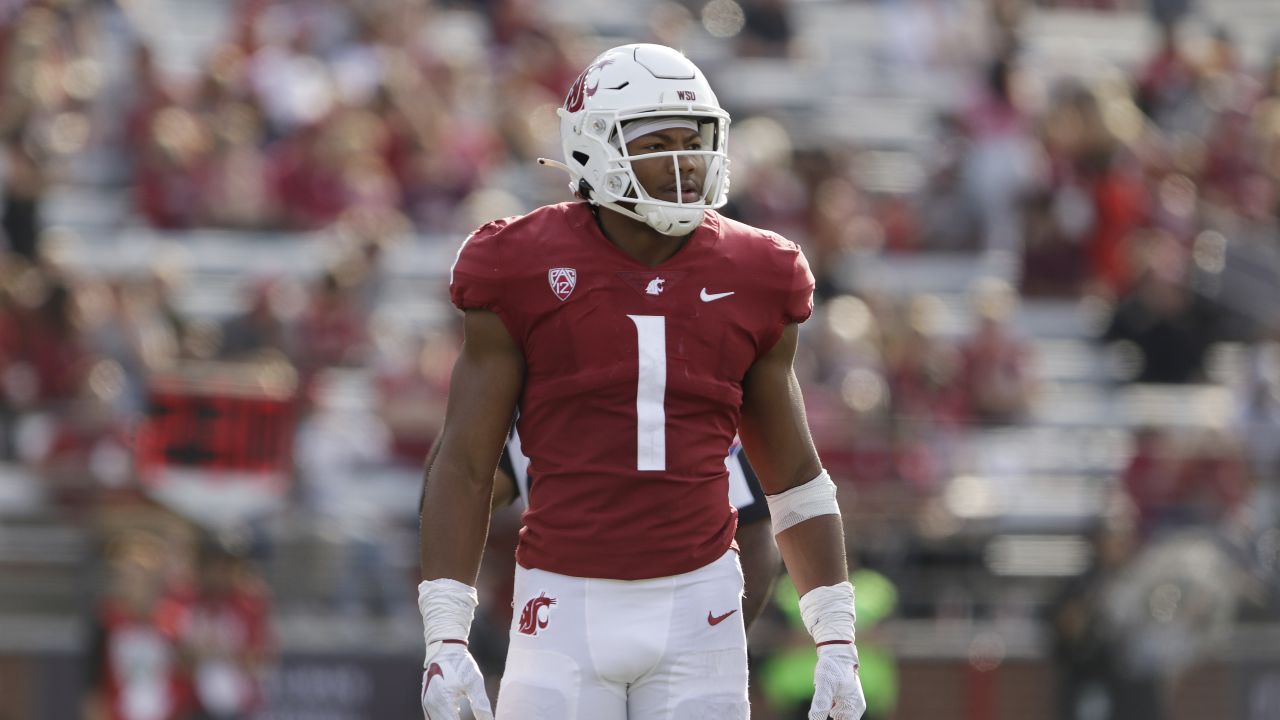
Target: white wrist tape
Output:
{"points": [[794, 506], [828, 612], [447, 607]]}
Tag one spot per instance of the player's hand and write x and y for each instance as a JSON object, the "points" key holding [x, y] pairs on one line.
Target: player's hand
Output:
{"points": [[450, 674], [837, 691]]}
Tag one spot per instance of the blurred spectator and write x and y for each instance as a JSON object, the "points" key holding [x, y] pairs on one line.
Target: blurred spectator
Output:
{"points": [[1005, 164], [364, 236], [225, 634], [1229, 158], [1150, 479], [1090, 682], [1167, 328], [160, 288], [238, 192], [128, 326], [1215, 480], [89, 452], [259, 330], [1120, 205], [332, 330], [923, 370], [308, 178], [948, 220], [148, 96], [343, 453], [995, 365], [24, 187], [42, 350], [1167, 85], [171, 170], [1179, 478], [1099, 196], [1172, 604], [412, 393], [1258, 422], [136, 668]]}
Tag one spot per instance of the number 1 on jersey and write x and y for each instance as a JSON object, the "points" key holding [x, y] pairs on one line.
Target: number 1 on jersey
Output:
{"points": [[651, 392]]}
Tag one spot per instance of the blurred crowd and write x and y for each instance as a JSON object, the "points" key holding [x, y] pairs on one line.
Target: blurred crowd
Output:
{"points": [[1149, 193], [177, 635]]}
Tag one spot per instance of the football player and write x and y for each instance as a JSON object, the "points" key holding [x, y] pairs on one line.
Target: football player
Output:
{"points": [[636, 331]]}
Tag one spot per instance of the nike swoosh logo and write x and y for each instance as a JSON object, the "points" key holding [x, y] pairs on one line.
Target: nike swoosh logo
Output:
{"points": [[717, 619], [709, 297]]}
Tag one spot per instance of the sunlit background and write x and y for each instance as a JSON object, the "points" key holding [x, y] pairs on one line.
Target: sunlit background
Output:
{"points": [[1044, 368]]}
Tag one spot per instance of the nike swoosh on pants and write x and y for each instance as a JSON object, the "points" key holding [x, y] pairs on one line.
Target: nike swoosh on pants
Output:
{"points": [[717, 619]]}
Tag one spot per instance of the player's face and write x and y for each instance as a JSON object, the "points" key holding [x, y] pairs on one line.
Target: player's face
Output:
{"points": [[659, 175]]}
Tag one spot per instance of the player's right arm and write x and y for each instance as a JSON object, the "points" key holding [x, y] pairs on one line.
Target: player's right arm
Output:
{"points": [[483, 391]]}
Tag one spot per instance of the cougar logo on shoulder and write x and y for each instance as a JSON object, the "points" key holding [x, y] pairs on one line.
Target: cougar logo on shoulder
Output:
{"points": [[536, 614]]}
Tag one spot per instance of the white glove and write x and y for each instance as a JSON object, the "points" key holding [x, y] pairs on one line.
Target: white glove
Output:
{"points": [[837, 691], [828, 614], [450, 674]]}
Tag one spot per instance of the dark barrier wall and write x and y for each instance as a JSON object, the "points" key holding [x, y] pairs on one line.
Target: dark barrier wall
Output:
{"points": [[321, 686], [348, 686]]}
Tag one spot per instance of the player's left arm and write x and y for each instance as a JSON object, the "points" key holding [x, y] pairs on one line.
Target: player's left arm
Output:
{"points": [[775, 435], [806, 520]]}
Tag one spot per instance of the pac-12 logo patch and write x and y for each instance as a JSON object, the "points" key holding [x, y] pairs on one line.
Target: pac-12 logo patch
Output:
{"points": [[562, 281], [536, 614]]}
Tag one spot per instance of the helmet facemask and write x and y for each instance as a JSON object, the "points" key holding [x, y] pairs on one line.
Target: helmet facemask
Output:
{"points": [[623, 192], [633, 91]]}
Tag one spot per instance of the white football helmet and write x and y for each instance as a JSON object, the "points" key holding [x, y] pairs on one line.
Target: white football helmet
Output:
{"points": [[637, 83]]}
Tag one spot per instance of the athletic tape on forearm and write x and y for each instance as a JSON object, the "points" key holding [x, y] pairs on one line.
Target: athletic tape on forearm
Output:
{"points": [[828, 612], [814, 498], [447, 607]]}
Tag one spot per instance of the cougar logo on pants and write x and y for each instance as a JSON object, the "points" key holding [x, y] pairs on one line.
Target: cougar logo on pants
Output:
{"points": [[536, 614]]}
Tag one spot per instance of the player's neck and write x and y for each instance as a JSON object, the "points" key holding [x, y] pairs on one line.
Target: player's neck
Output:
{"points": [[639, 241]]}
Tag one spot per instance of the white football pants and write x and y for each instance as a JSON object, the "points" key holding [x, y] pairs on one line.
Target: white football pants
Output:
{"points": [[671, 648]]}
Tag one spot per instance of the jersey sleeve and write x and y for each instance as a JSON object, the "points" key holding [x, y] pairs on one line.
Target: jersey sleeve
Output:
{"points": [[789, 287], [799, 302], [476, 281]]}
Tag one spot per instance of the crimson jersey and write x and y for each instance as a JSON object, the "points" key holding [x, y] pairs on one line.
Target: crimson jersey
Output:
{"points": [[633, 380]]}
